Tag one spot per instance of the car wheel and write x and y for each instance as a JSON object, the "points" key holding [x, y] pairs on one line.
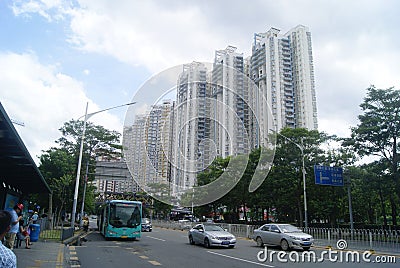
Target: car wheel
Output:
{"points": [[191, 241], [231, 246], [207, 243], [306, 248], [259, 241], [284, 244]]}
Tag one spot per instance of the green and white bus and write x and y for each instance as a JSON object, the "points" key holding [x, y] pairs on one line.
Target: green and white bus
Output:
{"points": [[120, 219]]}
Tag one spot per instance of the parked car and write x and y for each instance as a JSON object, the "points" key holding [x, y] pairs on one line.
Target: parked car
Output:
{"points": [[146, 225], [286, 236], [210, 235]]}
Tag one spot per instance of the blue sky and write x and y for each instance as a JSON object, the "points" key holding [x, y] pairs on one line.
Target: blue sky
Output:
{"points": [[57, 55]]}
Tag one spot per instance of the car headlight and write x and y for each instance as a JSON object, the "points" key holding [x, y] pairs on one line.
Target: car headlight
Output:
{"points": [[295, 238]]}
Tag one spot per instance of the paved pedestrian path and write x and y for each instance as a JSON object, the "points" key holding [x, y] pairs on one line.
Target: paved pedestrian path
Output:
{"points": [[44, 254]]}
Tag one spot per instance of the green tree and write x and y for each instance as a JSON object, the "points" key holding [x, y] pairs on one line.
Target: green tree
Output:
{"points": [[58, 168], [58, 165], [378, 133], [285, 182], [98, 141], [282, 190]]}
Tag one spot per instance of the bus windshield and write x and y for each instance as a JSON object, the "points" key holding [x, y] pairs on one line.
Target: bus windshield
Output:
{"points": [[125, 215]]}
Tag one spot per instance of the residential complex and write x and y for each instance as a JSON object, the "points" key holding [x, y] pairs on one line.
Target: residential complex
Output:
{"points": [[225, 109], [282, 68], [228, 103], [148, 147], [192, 126]]}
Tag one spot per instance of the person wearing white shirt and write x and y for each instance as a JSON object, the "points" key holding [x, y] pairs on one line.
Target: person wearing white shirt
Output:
{"points": [[7, 257]]}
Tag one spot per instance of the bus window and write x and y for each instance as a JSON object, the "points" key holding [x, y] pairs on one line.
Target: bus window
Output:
{"points": [[122, 215], [135, 218]]}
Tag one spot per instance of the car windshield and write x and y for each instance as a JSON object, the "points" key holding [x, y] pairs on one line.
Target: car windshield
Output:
{"points": [[212, 228], [287, 228], [145, 220]]}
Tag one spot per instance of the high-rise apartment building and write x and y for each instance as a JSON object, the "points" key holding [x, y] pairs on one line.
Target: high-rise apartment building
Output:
{"points": [[303, 77], [225, 110], [148, 143], [282, 68], [228, 106], [192, 127]]}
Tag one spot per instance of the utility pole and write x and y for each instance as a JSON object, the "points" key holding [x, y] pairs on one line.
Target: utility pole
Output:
{"points": [[350, 206], [78, 172]]}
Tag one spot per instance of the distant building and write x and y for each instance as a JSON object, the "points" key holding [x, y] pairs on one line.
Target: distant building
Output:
{"points": [[148, 142], [113, 176]]}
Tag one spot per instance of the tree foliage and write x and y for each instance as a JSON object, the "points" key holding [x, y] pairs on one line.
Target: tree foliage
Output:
{"points": [[378, 134], [59, 164], [374, 187]]}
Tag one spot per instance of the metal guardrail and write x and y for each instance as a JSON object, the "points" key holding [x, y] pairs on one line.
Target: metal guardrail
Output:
{"points": [[48, 230], [362, 239], [173, 224], [375, 239]]}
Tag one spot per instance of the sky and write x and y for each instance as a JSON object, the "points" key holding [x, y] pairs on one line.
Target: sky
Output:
{"points": [[55, 56]]}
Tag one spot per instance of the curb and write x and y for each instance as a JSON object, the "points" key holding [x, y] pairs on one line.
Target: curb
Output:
{"points": [[76, 239]]}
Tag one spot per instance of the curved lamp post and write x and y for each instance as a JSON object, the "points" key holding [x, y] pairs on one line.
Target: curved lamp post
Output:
{"points": [[301, 147], [78, 172]]}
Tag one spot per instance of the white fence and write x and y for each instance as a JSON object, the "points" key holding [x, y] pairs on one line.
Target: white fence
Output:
{"points": [[374, 239], [362, 239]]}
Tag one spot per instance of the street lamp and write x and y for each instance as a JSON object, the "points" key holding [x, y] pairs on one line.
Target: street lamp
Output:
{"points": [[78, 172], [301, 147]]}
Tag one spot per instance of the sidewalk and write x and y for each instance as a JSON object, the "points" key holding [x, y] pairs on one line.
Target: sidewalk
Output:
{"points": [[42, 254]]}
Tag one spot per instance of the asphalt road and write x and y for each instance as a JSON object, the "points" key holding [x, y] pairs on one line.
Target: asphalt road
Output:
{"points": [[170, 248]]}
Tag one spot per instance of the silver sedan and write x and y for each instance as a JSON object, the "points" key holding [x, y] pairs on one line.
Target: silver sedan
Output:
{"points": [[286, 236], [211, 235]]}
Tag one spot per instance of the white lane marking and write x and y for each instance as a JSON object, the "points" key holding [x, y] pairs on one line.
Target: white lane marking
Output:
{"points": [[239, 259], [156, 238], [156, 263]]}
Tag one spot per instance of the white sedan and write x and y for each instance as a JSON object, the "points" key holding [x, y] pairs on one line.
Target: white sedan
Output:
{"points": [[286, 236], [211, 235]]}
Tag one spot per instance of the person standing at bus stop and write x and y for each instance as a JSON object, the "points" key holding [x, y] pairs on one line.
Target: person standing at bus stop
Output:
{"points": [[7, 257], [12, 233], [35, 217]]}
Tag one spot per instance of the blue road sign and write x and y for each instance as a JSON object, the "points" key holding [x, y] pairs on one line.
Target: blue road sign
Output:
{"points": [[325, 175]]}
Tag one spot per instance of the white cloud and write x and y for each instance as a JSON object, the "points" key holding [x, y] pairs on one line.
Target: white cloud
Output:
{"points": [[355, 43], [143, 33], [49, 9], [43, 99]]}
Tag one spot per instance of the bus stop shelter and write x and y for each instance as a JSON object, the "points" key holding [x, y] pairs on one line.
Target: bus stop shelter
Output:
{"points": [[19, 175]]}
